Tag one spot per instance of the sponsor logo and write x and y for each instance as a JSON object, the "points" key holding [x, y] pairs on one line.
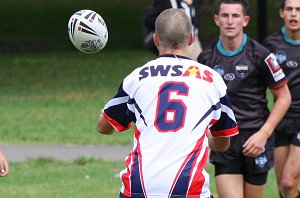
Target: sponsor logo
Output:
{"points": [[261, 160], [291, 64], [274, 67], [229, 76], [281, 57], [242, 70], [219, 69], [175, 70]]}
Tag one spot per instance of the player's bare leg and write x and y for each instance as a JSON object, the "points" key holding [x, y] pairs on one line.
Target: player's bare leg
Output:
{"points": [[281, 155], [291, 173], [254, 191], [229, 186]]}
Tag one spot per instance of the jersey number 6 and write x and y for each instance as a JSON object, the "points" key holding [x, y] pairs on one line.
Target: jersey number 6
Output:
{"points": [[171, 110]]}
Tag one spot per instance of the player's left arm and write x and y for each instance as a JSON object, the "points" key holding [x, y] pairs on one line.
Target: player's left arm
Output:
{"points": [[256, 143]]}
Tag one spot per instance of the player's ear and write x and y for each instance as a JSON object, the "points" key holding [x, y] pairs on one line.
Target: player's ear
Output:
{"points": [[155, 39], [216, 19], [281, 13], [246, 20], [191, 39]]}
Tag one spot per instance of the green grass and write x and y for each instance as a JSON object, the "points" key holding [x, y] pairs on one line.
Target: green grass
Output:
{"points": [[48, 178], [88, 178], [56, 98]]}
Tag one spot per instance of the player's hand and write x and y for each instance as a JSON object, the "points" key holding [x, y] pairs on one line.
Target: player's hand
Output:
{"points": [[4, 170], [255, 145]]}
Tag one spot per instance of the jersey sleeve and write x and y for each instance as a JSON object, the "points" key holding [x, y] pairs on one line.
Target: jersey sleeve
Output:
{"points": [[272, 71], [116, 111], [225, 125]]}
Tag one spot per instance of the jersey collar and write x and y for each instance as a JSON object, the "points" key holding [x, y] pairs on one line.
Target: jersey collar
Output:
{"points": [[173, 56], [231, 53], [287, 39]]}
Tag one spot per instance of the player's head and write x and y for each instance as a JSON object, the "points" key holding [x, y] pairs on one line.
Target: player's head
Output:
{"points": [[173, 29], [290, 13], [231, 18], [244, 4]]}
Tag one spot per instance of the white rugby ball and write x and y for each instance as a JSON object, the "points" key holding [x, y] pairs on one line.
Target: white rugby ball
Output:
{"points": [[88, 31]]}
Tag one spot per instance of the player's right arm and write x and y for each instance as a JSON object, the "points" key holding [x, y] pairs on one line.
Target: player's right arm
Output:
{"points": [[104, 126]]}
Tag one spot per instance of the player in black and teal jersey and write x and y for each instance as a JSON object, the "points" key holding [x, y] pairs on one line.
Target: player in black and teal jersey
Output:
{"points": [[248, 69], [285, 44]]}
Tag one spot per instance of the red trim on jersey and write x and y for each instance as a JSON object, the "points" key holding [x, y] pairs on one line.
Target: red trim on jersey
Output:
{"points": [[197, 146], [212, 122], [126, 176], [137, 134], [225, 133], [279, 85], [116, 124], [198, 179]]}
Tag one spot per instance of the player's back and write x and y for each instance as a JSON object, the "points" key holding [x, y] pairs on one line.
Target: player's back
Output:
{"points": [[174, 100]]}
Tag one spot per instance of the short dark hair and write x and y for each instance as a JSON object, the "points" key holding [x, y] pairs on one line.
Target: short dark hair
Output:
{"points": [[244, 4], [282, 4]]}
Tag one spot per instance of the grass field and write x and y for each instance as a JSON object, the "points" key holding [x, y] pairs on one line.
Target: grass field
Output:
{"points": [[55, 98], [81, 178]]}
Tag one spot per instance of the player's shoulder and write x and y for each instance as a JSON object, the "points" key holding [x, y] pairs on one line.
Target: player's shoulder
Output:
{"points": [[256, 50]]}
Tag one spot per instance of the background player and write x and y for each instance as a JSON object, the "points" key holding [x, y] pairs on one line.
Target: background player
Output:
{"points": [[4, 169], [173, 100], [285, 44], [248, 69], [191, 9]]}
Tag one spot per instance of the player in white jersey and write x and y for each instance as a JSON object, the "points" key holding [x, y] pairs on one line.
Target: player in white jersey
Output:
{"points": [[180, 108]]}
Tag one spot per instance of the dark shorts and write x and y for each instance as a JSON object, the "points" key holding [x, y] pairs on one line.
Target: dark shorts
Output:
{"points": [[254, 170], [288, 132]]}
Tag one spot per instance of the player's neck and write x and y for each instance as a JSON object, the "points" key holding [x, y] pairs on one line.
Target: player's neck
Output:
{"points": [[294, 35], [231, 43], [176, 52]]}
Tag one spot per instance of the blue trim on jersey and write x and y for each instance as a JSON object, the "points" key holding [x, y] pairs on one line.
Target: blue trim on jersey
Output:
{"points": [[213, 108], [181, 186], [175, 56], [287, 39], [225, 121], [232, 53], [136, 183], [132, 101]]}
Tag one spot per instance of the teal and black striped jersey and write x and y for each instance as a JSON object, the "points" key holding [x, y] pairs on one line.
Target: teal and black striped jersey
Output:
{"points": [[248, 72]]}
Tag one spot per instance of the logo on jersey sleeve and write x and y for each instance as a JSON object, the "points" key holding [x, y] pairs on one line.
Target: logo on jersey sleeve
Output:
{"points": [[242, 70], [274, 67]]}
